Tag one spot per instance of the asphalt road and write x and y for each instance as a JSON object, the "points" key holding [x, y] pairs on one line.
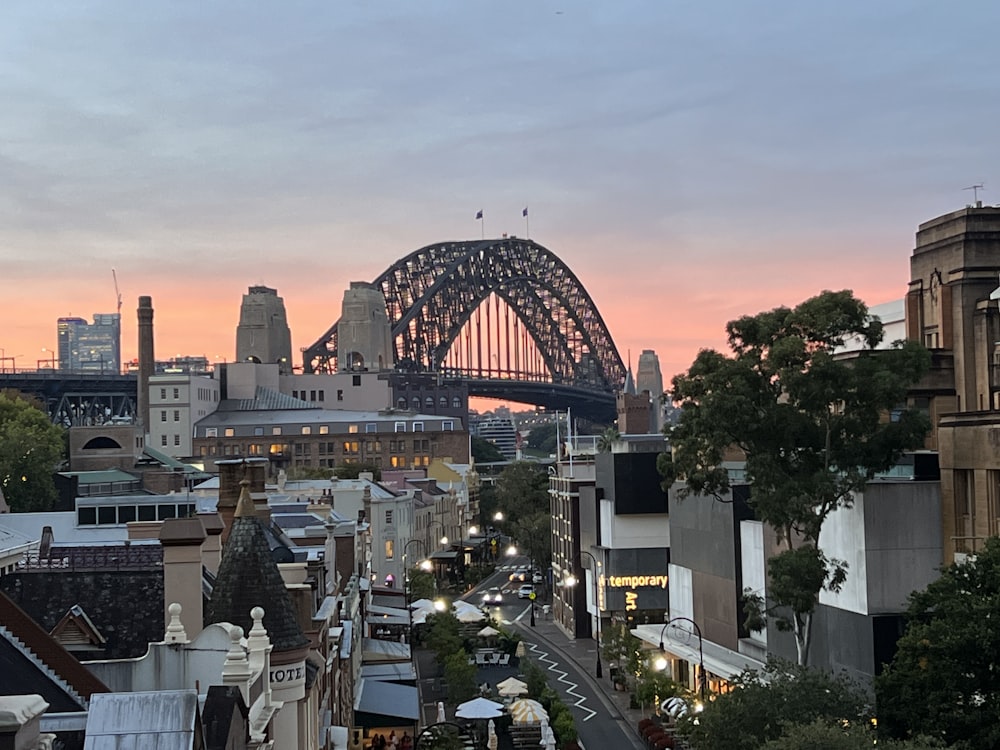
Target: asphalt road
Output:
{"points": [[570, 663]]}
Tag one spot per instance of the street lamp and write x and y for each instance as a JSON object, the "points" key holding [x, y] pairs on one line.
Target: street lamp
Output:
{"points": [[571, 581], [701, 654]]}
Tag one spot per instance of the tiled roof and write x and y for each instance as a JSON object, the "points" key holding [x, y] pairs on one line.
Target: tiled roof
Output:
{"points": [[164, 719], [267, 400], [47, 649], [248, 577]]}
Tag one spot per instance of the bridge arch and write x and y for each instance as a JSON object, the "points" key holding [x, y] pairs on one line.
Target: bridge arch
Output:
{"points": [[433, 293]]}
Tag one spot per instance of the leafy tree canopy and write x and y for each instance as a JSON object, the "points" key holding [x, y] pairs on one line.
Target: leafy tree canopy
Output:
{"points": [[485, 452], [31, 450], [822, 735], [522, 489], [943, 681], [764, 705], [352, 471], [543, 438], [811, 426]]}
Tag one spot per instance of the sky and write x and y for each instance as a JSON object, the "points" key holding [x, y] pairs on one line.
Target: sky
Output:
{"points": [[691, 162]]}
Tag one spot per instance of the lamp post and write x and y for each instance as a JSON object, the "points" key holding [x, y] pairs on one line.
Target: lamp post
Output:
{"points": [[701, 654], [572, 582], [406, 589]]}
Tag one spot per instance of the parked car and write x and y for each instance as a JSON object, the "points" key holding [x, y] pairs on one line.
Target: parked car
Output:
{"points": [[493, 596], [537, 578], [525, 591]]}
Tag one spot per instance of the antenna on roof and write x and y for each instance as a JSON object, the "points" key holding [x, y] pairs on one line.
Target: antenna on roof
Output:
{"points": [[975, 193]]}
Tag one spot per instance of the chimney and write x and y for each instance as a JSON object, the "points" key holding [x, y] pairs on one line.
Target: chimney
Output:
{"points": [[230, 474], [181, 539], [211, 550], [147, 361]]}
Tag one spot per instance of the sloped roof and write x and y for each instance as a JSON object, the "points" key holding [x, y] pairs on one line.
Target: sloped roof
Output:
{"points": [[160, 720], [46, 652], [266, 399], [248, 577]]}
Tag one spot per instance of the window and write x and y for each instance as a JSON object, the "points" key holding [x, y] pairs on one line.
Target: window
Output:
{"points": [[443, 402], [340, 394], [390, 545], [275, 430], [312, 395], [429, 402], [126, 513], [352, 429], [177, 392], [230, 432], [177, 415], [456, 402], [416, 403], [352, 447], [163, 393], [163, 439], [107, 514], [388, 516], [322, 395], [255, 449], [418, 426], [400, 427], [447, 426], [147, 512], [258, 430], [177, 439], [163, 416], [371, 427], [324, 429], [307, 430], [356, 381], [211, 432], [277, 449], [397, 462], [401, 402]]}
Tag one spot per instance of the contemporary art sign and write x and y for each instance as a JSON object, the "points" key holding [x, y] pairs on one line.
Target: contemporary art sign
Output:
{"points": [[634, 580]]}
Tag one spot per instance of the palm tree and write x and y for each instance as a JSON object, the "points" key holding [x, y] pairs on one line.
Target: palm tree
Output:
{"points": [[608, 438]]}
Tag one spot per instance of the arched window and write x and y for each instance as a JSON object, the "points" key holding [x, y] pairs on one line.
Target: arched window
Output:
{"points": [[456, 402]]}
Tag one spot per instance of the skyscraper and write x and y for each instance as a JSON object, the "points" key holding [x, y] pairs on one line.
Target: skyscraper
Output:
{"points": [[263, 335], [90, 346]]}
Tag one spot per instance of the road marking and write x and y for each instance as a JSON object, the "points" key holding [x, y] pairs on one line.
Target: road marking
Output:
{"points": [[561, 677]]}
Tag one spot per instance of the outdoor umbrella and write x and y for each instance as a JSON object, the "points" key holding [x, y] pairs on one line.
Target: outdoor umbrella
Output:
{"points": [[521, 651], [422, 604], [440, 714], [491, 736], [527, 711], [488, 631], [548, 740], [512, 686], [469, 615], [479, 708]]}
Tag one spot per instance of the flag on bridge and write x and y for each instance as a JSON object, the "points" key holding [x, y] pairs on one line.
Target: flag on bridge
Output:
{"points": [[479, 214], [524, 213]]}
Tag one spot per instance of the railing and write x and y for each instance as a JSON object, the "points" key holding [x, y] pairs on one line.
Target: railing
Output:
{"points": [[118, 557]]}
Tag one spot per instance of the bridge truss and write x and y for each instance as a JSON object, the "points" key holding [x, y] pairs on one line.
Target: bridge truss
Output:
{"points": [[492, 311]]}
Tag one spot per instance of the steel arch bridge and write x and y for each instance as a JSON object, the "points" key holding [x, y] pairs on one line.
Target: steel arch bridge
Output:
{"points": [[507, 315]]}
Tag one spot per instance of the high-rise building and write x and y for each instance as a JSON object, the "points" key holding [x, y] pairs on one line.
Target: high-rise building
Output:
{"points": [[90, 346], [263, 335]]}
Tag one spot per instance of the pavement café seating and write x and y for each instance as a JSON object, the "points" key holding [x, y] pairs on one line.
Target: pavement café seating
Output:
{"points": [[491, 657]]}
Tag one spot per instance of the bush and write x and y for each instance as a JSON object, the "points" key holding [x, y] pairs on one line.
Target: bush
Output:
{"points": [[564, 727]]}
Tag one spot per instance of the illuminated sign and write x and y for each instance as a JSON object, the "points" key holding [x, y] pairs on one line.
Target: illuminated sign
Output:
{"points": [[632, 582], [631, 601]]}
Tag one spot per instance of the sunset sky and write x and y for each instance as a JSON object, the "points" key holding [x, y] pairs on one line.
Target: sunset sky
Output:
{"points": [[689, 161]]}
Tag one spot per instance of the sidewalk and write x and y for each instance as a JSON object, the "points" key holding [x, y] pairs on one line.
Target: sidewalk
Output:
{"points": [[584, 652]]}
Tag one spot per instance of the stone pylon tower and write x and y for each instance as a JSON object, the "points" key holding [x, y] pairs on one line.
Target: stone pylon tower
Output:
{"points": [[263, 335], [649, 378], [364, 336]]}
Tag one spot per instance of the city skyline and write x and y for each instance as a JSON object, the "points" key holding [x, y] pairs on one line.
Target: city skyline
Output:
{"points": [[689, 163]]}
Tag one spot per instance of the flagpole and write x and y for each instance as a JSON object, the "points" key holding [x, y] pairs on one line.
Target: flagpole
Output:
{"points": [[527, 229]]}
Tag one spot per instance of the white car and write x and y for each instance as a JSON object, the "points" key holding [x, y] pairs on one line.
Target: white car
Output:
{"points": [[525, 591], [493, 596], [537, 578]]}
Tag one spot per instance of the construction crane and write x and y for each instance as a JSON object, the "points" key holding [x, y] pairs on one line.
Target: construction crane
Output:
{"points": [[118, 294]]}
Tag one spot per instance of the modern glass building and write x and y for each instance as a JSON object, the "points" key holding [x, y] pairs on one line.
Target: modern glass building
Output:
{"points": [[90, 346]]}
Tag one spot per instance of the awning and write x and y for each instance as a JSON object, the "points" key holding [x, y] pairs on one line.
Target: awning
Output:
{"points": [[444, 554], [395, 671], [387, 699], [376, 650], [719, 660]]}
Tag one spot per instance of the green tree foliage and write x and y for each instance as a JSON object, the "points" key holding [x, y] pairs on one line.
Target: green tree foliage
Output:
{"points": [[812, 427], [821, 735], [607, 439], [944, 680], [310, 472], [522, 492], [31, 450], [543, 438], [352, 471], [762, 706], [422, 584], [621, 649], [443, 635], [484, 452], [460, 676]]}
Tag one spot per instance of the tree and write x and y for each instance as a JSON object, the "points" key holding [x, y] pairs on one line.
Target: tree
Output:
{"points": [[943, 681], [607, 439], [460, 676], [31, 449], [762, 705], [821, 735], [543, 438], [522, 489], [352, 471], [812, 427], [484, 452], [422, 584], [443, 635]]}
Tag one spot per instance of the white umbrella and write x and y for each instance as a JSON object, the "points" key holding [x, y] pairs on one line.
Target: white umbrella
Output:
{"points": [[491, 735], [527, 711], [479, 708], [521, 651], [469, 615], [548, 738], [512, 686], [488, 631], [440, 714], [422, 604]]}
